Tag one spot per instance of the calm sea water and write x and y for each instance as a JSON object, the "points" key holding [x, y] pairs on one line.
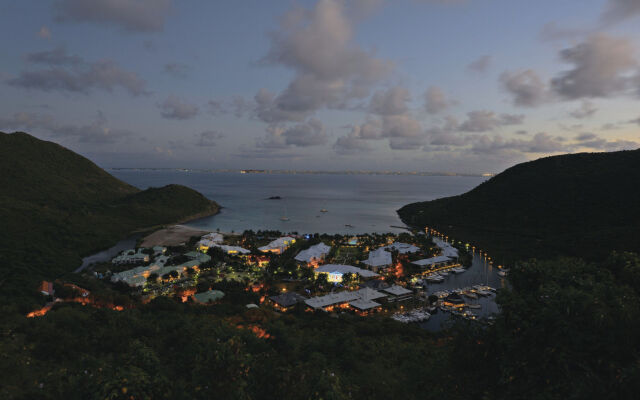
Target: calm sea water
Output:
{"points": [[367, 202]]}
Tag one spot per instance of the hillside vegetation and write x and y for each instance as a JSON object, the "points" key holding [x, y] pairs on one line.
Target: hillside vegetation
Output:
{"points": [[582, 205], [57, 206]]}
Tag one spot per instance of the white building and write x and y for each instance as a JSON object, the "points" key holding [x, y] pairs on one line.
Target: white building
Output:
{"points": [[335, 272], [131, 257], [314, 254], [402, 248], [379, 258], [278, 246], [209, 240], [360, 299], [232, 249]]}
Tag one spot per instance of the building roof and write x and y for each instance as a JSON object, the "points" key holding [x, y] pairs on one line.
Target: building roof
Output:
{"points": [[279, 243], [378, 258], [196, 255], [287, 299], [364, 305], [211, 295], [331, 299], [397, 290], [345, 269], [316, 252], [370, 294], [432, 260], [376, 284], [447, 249], [402, 248], [213, 237], [232, 249]]}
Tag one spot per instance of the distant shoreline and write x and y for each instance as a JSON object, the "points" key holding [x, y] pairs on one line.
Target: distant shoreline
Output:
{"points": [[306, 172]]}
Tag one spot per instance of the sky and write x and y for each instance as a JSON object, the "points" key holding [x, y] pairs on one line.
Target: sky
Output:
{"points": [[467, 86]]}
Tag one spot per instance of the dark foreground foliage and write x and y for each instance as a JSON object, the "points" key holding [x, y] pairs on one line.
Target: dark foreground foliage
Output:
{"points": [[568, 330]]}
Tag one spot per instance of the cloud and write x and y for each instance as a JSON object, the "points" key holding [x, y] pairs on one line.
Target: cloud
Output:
{"points": [[97, 131], [44, 32], [585, 136], [525, 86], [176, 70], [209, 138], [435, 100], [130, 15], [616, 11], [330, 69], [309, 133], [482, 121], [586, 109], [600, 68], [635, 121], [71, 73], [540, 143], [480, 65], [175, 108], [390, 102], [55, 57], [351, 144], [595, 142]]}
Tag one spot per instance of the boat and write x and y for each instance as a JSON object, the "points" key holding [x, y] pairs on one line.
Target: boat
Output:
{"points": [[457, 270], [284, 218], [324, 210], [474, 306], [348, 225], [483, 292], [435, 278], [443, 273], [471, 295], [502, 273]]}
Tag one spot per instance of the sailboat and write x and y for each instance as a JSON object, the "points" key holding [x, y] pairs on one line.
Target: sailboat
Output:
{"points": [[284, 217]]}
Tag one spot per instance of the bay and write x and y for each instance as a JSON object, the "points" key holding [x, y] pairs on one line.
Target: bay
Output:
{"points": [[356, 203]]}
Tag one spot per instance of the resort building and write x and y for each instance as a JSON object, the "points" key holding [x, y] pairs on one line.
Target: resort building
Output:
{"points": [[208, 297], [379, 258], [314, 255], [158, 250], [433, 261], [398, 293], [278, 246], [196, 255], [286, 301], [447, 249], [232, 249], [335, 272], [402, 248], [361, 300], [46, 288], [131, 257], [209, 240]]}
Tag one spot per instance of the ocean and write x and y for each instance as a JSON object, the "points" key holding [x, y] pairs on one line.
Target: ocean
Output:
{"points": [[354, 203]]}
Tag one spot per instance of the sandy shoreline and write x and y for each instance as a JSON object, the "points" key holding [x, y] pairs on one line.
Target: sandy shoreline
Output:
{"points": [[174, 235]]}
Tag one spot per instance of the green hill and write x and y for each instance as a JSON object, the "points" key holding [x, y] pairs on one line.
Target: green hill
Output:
{"points": [[57, 206], [576, 204]]}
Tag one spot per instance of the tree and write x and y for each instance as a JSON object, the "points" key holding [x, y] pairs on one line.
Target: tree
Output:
{"points": [[152, 278]]}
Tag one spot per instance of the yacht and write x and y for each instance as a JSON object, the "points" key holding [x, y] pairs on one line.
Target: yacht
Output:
{"points": [[324, 210], [435, 278]]}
